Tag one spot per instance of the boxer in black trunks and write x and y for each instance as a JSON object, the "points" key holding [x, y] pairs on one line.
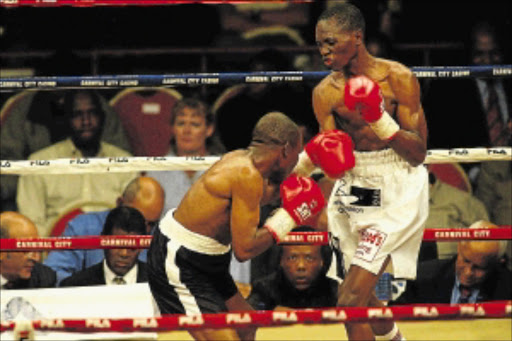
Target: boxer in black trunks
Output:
{"points": [[189, 256]]}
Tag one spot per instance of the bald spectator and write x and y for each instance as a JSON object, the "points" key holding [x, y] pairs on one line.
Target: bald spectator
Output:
{"points": [[475, 274], [22, 270], [143, 193]]}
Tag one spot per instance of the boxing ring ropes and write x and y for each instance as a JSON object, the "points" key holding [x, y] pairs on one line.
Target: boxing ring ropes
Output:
{"points": [[501, 309]]}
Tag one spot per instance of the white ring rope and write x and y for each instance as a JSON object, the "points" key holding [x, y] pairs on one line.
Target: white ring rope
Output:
{"points": [[144, 163]]}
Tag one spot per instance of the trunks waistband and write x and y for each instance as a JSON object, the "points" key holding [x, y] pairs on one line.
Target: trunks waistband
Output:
{"points": [[191, 240]]}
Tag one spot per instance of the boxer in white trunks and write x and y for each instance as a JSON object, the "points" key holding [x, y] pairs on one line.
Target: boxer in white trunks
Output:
{"points": [[377, 210]]}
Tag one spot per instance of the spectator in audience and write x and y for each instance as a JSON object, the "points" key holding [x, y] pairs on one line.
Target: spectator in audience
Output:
{"points": [[450, 207], [242, 105], [494, 189], [45, 198], [193, 134], [22, 269], [32, 120], [473, 101], [300, 280], [475, 274], [143, 193], [120, 266]]}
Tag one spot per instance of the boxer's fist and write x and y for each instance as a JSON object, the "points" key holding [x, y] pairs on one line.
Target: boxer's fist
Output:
{"points": [[364, 94], [302, 200], [333, 151], [361, 93]]}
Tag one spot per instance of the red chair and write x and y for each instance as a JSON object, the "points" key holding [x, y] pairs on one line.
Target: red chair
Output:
{"points": [[452, 174], [146, 115], [60, 225]]}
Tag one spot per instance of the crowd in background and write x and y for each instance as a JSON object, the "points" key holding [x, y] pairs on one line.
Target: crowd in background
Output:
{"points": [[196, 121]]}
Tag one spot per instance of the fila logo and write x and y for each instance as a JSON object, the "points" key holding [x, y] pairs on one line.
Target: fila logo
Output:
{"points": [[285, 316], [238, 318], [334, 315], [97, 323], [425, 311], [380, 313], [145, 323], [191, 320]]}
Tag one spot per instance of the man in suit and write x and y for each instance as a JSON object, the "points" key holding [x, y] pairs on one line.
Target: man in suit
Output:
{"points": [[143, 193], [120, 266], [476, 274], [22, 270], [454, 103], [300, 280]]}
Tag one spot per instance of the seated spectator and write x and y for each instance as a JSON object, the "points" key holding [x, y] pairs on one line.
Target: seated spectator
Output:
{"points": [[32, 120], [494, 189], [475, 274], [120, 266], [45, 198], [299, 282], [143, 193], [22, 269], [450, 207], [193, 134]]}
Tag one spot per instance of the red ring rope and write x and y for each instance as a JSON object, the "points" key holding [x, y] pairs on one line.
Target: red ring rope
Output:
{"points": [[314, 238], [264, 318]]}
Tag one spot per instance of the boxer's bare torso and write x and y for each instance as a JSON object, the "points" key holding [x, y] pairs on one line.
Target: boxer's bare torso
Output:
{"points": [[400, 91]]}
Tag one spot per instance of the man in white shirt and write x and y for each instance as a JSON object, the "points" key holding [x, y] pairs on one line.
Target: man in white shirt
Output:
{"points": [[46, 198]]}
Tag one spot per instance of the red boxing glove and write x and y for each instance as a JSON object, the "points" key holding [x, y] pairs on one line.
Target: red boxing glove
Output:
{"points": [[364, 94], [333, 151], [302, 200]]}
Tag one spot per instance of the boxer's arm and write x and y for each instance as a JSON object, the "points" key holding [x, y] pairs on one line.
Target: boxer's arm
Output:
{"points": [[410, 141], [247, 193], [322, 106]]}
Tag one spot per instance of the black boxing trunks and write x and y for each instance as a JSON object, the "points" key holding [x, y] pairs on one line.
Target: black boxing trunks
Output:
{"points": [[188, 273]]}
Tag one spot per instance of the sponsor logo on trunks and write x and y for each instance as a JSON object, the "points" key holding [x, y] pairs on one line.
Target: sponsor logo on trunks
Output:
{"points": [[370, 242], [365, 196], [357, 199]]}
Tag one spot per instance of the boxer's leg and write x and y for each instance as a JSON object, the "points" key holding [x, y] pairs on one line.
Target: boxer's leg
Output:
{"points": [[355, 291]]}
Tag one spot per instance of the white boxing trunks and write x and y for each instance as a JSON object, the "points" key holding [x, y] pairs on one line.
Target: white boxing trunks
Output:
{"points": [[379, 208]]}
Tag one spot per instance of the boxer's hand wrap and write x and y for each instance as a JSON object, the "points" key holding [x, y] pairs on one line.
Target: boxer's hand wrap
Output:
{"points": [[331, 150], [364, 94], [302, 199]]}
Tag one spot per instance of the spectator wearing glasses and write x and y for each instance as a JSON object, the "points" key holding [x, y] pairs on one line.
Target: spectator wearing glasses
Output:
{"points": [[120, 266], [143, 193], [45, 198]]}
